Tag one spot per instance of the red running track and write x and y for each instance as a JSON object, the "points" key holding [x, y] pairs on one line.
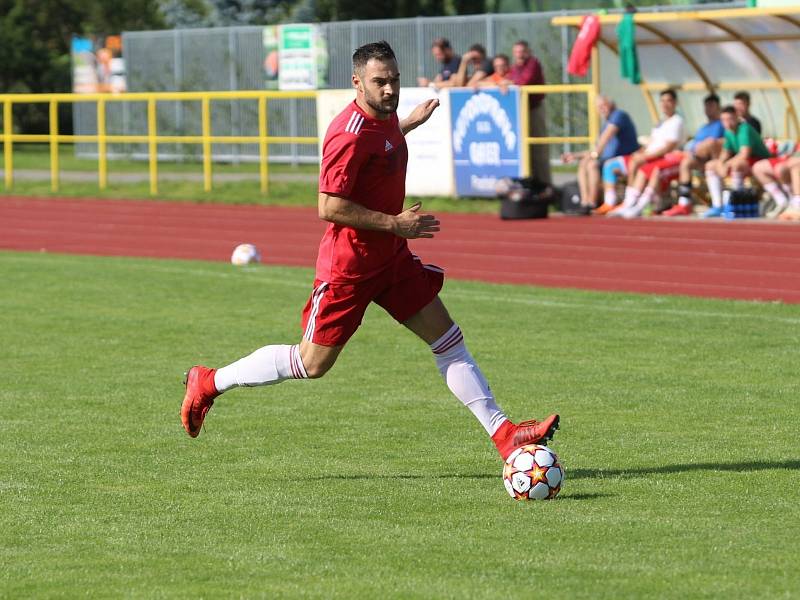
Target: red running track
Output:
{"points": [[739, 259]]}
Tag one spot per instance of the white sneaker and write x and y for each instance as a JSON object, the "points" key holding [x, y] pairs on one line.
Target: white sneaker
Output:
{"points": [[775, 211]]}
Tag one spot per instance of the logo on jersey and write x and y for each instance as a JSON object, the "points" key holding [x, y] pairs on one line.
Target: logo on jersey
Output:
{"points": [[355, 123], [388, 146]]}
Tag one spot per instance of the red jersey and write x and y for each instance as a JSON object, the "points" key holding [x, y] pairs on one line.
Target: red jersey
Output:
{"points": [[582, 50], [363, 160]]}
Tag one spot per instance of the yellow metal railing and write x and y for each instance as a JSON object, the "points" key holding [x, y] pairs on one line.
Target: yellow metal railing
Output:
{"points": [[527, 140], [152, 139]]}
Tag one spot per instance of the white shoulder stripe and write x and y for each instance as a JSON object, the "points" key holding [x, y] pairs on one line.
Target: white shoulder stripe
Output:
{"points": [[350, 122], [355, 123]]}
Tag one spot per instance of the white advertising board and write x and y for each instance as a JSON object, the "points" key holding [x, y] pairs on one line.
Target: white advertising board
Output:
{"points": [[430, 150]]}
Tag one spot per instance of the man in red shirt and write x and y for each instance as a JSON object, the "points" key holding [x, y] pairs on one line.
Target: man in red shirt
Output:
{"points": [[364, 257], [527, 70]]}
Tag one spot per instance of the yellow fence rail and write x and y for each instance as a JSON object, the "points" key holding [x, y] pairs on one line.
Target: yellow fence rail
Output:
{"points": [[152, 138], [527, 140]]}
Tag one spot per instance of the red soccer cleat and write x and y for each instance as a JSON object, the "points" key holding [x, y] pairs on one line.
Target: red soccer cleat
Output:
{"points": [[511, 436], [678, 211], [199, 398]]}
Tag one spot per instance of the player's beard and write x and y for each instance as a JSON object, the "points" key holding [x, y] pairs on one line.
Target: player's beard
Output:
{"points": [[383, 107]]}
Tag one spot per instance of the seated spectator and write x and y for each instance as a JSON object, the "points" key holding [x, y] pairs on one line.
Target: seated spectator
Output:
{"points": [[741, 102], [617, 137], [706, 145], [449, 61], [474, 67], [793, 212], [743, 148], [774, 174], [647, 168], [502, 66]]}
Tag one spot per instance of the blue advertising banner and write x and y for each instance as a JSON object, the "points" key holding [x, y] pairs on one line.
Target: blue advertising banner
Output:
{"points": [[485, 139]]}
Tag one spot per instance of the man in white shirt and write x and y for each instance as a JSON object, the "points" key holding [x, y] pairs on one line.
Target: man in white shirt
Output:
{"points": [[658, 162]]}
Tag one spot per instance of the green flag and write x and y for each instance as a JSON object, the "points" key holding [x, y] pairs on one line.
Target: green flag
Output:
{"points": [[628, 60]]}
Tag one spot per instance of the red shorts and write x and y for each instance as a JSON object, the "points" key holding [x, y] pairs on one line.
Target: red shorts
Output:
{"points": [[774, 161], [334, 310], [668, 165]]}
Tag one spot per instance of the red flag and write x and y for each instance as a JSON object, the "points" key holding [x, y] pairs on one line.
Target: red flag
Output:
{"points": [[582, 50]]}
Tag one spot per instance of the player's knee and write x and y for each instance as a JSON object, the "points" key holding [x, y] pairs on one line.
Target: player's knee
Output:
{"points": [[316, 369]]}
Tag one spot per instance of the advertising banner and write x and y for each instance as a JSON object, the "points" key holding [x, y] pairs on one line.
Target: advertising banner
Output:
{"points": [[430, 151], [430, 155], [302, 56], [485, 139], [97, 65]]}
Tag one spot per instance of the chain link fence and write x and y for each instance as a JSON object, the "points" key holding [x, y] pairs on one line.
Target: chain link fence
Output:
{"points": [[232, 58]]}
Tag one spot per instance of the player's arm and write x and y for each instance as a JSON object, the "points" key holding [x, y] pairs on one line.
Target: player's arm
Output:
{"points": [[745, 152], [408, 224], [419, 115]]}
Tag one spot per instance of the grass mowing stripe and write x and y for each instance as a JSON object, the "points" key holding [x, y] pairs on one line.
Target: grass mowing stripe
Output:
{"points": [[679, 441]]}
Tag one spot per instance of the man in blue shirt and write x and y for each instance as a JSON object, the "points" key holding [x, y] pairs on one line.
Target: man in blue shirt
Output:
{"points": [[449, 62], [706, 145], [617, 137]]}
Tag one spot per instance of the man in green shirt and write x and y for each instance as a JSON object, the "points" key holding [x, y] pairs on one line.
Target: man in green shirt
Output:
{"points": [[742, 148]]}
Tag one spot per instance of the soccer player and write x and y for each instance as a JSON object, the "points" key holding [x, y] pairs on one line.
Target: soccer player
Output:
{"points": [[655, 163], [743, 147], [364, 257], [706, 145], [775, 175]]}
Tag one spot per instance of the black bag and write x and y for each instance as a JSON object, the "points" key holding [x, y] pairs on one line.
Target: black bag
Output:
{"points": [[526, 198], [571, 200]]}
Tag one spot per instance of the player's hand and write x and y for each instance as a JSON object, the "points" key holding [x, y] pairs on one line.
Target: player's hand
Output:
{"points": [[410, 224], [420, 114]]}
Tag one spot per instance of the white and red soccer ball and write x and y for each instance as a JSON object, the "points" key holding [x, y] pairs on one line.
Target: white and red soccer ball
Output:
{"points": [[245, 254], [533, 473]]}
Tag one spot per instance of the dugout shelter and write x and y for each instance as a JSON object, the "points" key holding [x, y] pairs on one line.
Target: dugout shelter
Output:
{"points": [[696, 52]]}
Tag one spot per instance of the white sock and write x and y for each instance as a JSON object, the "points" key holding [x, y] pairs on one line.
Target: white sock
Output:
{"points": [[631, 196], [645, 198], [714, 184], [465, 379], [610, 196], [777, 193], [265, 366], [737, 181]]}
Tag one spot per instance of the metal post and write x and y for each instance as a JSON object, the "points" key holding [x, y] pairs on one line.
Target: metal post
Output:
{"points": [[152, 144], [263, 145], [206, 135], [566, 102], [8, 147], [594, 117], [102, 165], [54, 145], [233, 83], [525, 132]]}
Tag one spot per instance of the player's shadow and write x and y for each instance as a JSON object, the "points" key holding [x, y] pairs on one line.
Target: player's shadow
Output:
{"points": [[743, 467]]}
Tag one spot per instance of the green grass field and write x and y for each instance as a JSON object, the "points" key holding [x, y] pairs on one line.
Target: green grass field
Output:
{"points": [[679, 438]]}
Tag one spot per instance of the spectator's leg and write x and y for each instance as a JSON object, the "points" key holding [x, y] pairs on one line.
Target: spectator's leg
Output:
{"points": [[688, 163], [764, 172], [583, 177], [540, 153], [592, 183], [715, 170]]}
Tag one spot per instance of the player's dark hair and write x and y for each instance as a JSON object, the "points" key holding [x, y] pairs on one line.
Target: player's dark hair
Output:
{"points": [[502, 57], [521, 43], [669, 92], [442, 43], [729, 109], [711, 98], [381, 51], [744, 96], [478, 48]]}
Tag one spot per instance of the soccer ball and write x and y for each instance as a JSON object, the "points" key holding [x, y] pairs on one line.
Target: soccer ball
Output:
{"points": [[533, 473], [244, 254]]}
